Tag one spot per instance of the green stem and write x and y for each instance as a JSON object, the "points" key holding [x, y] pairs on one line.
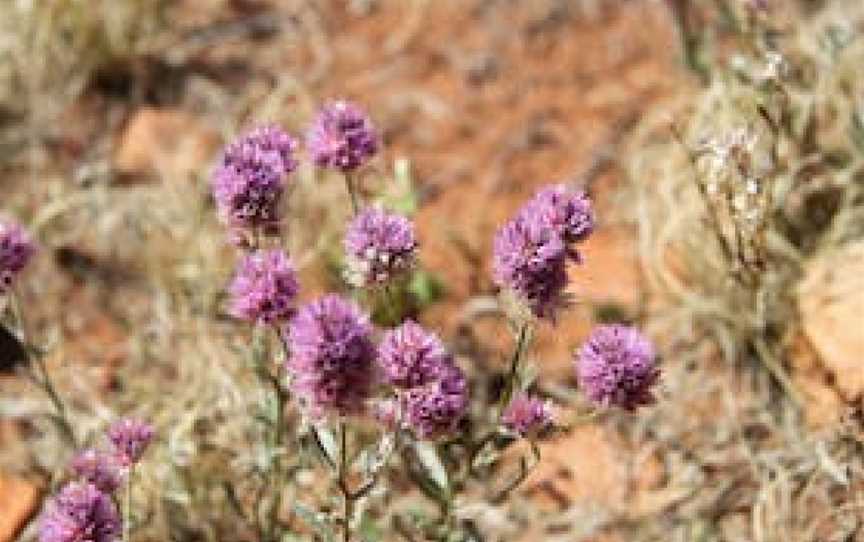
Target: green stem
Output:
{"points": [[513, 376], [347, 497], [352, 192], [127, 506]]}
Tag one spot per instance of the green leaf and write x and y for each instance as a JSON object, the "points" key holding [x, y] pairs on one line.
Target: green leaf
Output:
{"points": [[433, 465]]}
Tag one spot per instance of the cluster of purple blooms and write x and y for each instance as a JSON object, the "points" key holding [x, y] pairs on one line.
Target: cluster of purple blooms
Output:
{"points": [[617, 366], [379, 246], [332, 356], [16, 250], [265, 287], [527, 415], [250, 179], [333, 361], [341, 137], [531, 252], [431, 390], [84, 510]]}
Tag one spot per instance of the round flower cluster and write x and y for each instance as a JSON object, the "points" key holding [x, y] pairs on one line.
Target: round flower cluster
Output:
{"points": [[531, 251], [435, 408], [617, 367], [410, 356], [102, 469], [527, 415], [332, 356], [80, 512], [130, 439], [432, 392], [16, 250], [342, 137], [264, 288], [379, 247], [249, 182]]}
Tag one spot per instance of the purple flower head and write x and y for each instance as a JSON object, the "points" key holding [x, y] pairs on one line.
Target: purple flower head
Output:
{"points": [[80, 513], [16, 250], [410, 356], [249, 182], [379, 246], [130, 438], [568, 212], [99, 468], [264, 288], [341, 137], [435, 409], [531, 260], [617, 367], [332, 356], [527, 415]]}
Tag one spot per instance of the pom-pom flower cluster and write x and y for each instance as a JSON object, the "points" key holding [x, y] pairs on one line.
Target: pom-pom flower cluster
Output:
{"points": [[342, 137], [431, 389], [249, 182], [527, 415], [80, 512], [16, 250], [531, 251], [379, 247], [265, 287], [83, 510], [332, 356], [617, 367]]}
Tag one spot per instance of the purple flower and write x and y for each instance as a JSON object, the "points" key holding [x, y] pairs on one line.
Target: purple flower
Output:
{"points": [[527, 415], [410, 356], [130, 438], [332, 356], [379, 246], [435, 409], [249, 182], [264, 288], [341, 137], [531, 251], [80, 513], [531, 260], [99, 468], [16, 250], [616, 367], [568, 212]]}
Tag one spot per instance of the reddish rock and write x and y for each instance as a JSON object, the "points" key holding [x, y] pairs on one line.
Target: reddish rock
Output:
{"points": [[166, 142], [19, 501]]}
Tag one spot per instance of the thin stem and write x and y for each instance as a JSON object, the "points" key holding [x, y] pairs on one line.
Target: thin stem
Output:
{"points": [[347, 496], [352, 192], [513, 376], [525, 469], [127, 505], [61, 417]]}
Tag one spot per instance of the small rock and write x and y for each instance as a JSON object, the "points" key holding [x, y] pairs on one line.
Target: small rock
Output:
{"points": [[165, 142], [831, 303], [19, 500]]}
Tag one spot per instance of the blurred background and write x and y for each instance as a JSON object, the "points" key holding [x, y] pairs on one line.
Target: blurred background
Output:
{"points": [[113, 112]]}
